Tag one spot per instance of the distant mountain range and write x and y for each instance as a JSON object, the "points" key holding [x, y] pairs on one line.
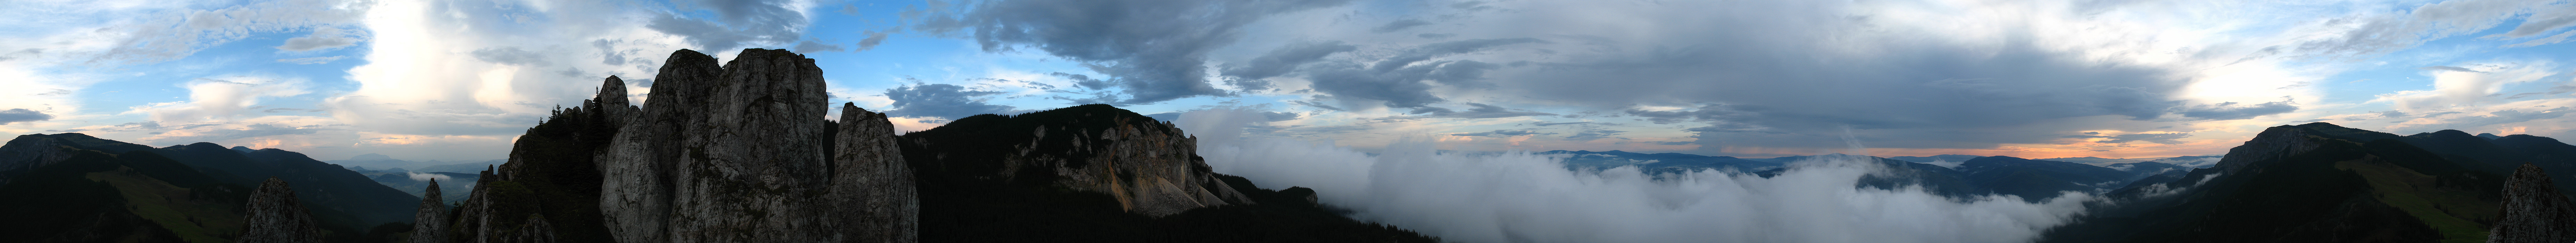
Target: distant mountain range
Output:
{"points": [[1950, 174], [73, 187]]}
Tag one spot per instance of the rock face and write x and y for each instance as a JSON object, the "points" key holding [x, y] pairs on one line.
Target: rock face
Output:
{"points": [[2534, 211], [876, 186], [737, 153], [275, 216], [1150, 167], [431, 223]]}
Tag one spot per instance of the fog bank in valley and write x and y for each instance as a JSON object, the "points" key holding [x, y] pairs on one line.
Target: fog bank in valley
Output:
{"points": [[1520, 197]]}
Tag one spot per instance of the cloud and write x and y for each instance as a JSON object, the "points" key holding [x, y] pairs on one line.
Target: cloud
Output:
{"points": [[246, 131], [323, 38], [1399, 25], [1520, 197], [1592, 134], [180, 33], [22, 115], [509, 56], [1406, 79], [312, 60], [2449, 68], [2159, 138], [1503, 133], [220, 98], [1280, 61], [810, 46], [1155, 50], [945, 101], [2231, 111], [417, 176], [469, 71], [734, 23], [2465, 86], [1265, 116], [1482, 111], [2376, 33], [874, 38], [2464, 121]]}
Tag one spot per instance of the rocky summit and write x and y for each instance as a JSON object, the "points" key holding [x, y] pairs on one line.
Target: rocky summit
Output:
{"points": [[1149, 167], [432, 214], [739, 152], [275, 216], [2534, 211]]}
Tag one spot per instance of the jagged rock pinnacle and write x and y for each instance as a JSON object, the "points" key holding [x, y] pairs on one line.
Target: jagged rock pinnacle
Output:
{"points": [[275, 216], [430, 225], [2534, 211]]}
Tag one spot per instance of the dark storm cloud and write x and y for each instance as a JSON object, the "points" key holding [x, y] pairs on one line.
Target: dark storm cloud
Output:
{"points": [[1910, 95], [733, 24], [1400, 80], [1280, 61], [22, 115], [1083, 81], [2232, 111], [945, 101], [1154, 49]]}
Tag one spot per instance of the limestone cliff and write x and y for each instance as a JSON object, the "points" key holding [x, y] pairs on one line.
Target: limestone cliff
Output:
{"points": [[737, 153], [430, 224], [275, 216], [878, 200], [2534, 211], [1148, 166]]}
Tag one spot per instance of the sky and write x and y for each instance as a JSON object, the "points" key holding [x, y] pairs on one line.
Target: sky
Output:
{"points": [[460, 79]]}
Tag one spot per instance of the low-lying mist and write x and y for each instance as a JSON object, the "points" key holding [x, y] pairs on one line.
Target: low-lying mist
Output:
{"points": [[1520, 197]]}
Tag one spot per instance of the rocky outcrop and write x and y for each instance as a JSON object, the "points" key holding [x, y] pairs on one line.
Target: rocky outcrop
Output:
{"points": [[737, 153], [2534, 211], [430, 225], [2272, 145], [275, 216], [878, 201], [1150, 167]]}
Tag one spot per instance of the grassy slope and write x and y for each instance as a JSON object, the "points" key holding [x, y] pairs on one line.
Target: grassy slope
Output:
{"points": [[2456, 214], [172, 207]]}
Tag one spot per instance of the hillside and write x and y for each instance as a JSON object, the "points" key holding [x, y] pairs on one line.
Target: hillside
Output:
{"points": [[2314, 182], [113, 190]]}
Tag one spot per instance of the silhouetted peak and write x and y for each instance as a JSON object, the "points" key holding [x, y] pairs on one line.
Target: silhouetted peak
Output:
{"points": [[202, 145], [2319, 125]]}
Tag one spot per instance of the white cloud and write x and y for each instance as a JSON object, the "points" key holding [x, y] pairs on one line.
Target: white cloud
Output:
{"points": [[221, 98], [179, 33], [2467, 85], [442, 69]]}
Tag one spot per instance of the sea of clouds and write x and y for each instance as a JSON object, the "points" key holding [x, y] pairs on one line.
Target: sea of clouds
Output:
{"points": [[1520, 197]]}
